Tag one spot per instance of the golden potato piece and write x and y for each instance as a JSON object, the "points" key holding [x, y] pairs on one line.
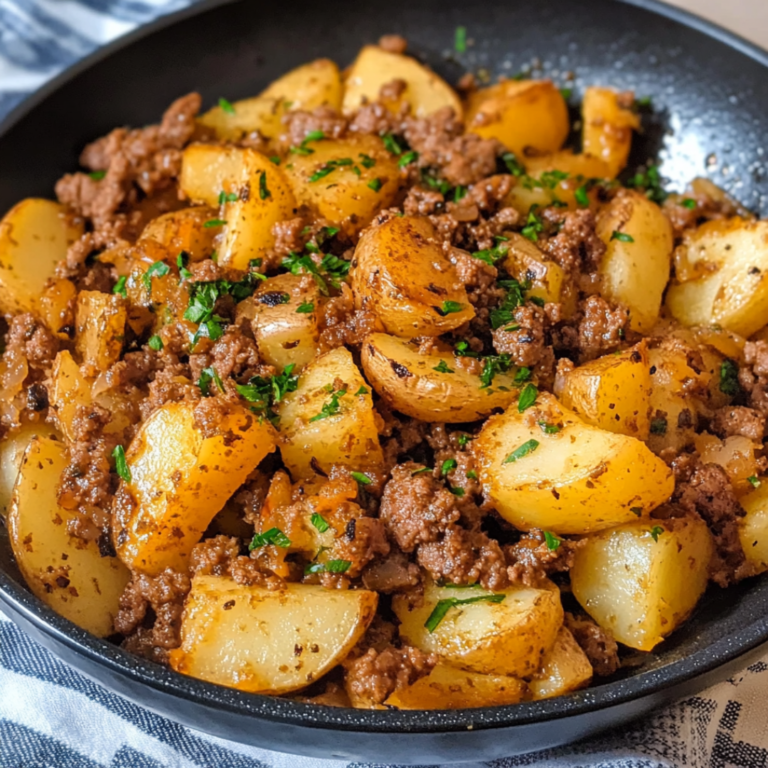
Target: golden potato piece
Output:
{"points": [[506, 635], [12, 448], [265, 199], [735, 454], [34, 236], [283, 314], [184, 230], [57, 307], [528, 264], [322, 426], [451, 688], [268, 641], [635, 268], [69, 389], [180, 477], [425, 92], [402, 275], [753, 528], [345, 181], [608, 128], [574, 478], [565, 668], [612, 392], [99, 328], [67, 573], [306, 87], [526, 116], [431, 387], [640, 581], [721, 273]]}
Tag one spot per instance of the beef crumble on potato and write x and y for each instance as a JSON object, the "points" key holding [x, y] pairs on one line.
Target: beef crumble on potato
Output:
{"points": [[373, 395]]}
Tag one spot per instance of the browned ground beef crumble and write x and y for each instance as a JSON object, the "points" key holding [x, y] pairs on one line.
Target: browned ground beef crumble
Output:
{"points": [[404, 525]]}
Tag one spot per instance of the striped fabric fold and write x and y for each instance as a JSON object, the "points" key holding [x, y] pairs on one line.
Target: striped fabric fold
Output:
{"points": [[53, 717]]}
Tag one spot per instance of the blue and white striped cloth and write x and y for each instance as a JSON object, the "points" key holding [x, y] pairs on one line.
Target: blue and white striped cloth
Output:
{"points": [[52, 717]]}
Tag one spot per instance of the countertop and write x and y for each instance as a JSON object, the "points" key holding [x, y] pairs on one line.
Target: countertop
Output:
{"points": [[748, 18]]}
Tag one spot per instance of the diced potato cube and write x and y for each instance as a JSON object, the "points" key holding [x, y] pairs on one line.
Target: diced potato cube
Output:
{"points": [[753, 528], [99, 328], [268, 641], [565, 668], [608, 128], [184, 230], [640, 581]]}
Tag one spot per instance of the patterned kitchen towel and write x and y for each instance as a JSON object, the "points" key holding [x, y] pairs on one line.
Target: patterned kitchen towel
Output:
{"points": [[52, 717]]}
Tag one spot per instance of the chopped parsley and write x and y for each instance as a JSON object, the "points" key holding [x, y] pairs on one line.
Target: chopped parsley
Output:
{"points": [[439, 185], [493, 365], [460, 40], [275, 159], [514, 298], [121, 465], [97, 175], [303, 149], [120, 288], [658, 426], [522, 375], [442, 367], [319, 522], [448, 466], [329, 167], [729, 378], [335, 268], [650, 181], [362, 391], [330, 566], [553, 542], [226, 106], [549, 429], [272, 536], [456, 491], [471, 475], [155, 343], [420, 471], [644, 101], [391, 145], [689, 203], [227, 197], [582, 197], [514, 166], [463, 440], [408, 158], [264, 192], [361, 478], [550, 179], [527, 397], [492, 255], [366, 160], [181, 262], [207, 375], [265, 392], [461, 349], [566, 93], [332, 407], [158, 269], [214, 223], [443, 606], [533, 226], [622, 237], [656, 531], [754, 482], [449, 307], [528, 447], [375, 184]]}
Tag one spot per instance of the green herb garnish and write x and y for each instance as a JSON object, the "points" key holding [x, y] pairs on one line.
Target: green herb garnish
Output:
{"points": [[319, 522], [442, 367], [449, 307], [120, 288], [97, 175], [658, 426], [622, 237], [408, 158], [656, 531], [528, 447], [121, 465], [443, 606], [332, 407], [448, 466], [227, 106], [729, 378], [264, 192], [527, 397], [155, 343], [553, 542], [754, 482], [272, 536], [158, 269], [361, 478], [375, 184]]}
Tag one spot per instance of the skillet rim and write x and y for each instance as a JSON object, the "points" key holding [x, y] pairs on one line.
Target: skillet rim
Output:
{"points": [[704, 661]]}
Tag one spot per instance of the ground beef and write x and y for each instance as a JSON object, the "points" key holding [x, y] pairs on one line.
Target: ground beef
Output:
{"points": [[220, 556], [464, 557], [416, 508], [374, 676], [706, 491], [393, 573], [598, 645], [376, 120], [421, 201], [525, 345], [289, 238], [601, 328], [462, 158], [576, 247], [299, 124], [341, 324], [32, 339], [737, 420], [152, 634], [753, 375], [531, 560]]}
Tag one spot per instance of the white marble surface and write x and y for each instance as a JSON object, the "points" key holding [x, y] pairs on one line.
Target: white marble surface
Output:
{"points": [[749, 18]]}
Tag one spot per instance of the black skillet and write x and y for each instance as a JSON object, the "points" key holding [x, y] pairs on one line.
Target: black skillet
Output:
{"points": [[709, 92]]}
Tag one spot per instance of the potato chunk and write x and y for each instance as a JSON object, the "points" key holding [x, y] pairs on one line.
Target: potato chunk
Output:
{"points": [[99, 328], [306, 87], [67, 573], [451, 688], [431, 387], [612, 392], [565, 668], [34, 235], [283, 314], [721, 273], [12, 449], [181, 474], [528, 264], [608, 128], [207, 170], [425, 92], [641, 580], [753, 528], [509, 637], [523, 115], [402, 275], [184, 230], [345, 181], [575, 480], [635, 268], [322, 426], [268, 641]]}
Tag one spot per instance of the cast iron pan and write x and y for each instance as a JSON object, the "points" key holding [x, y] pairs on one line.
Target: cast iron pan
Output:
{"points": [[709, 90]]}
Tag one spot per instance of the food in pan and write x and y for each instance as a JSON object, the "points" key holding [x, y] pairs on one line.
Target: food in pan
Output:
{"points": [[367, 391]]}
